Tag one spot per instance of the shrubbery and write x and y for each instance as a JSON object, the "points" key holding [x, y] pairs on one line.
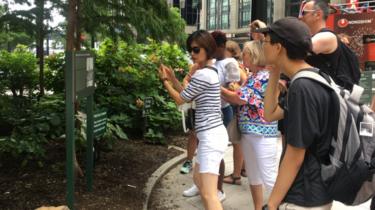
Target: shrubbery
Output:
{"points": [[124, 75]]}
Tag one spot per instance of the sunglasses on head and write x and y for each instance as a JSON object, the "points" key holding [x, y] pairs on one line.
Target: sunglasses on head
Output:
{"points": [[306, 11], [195, 50]]}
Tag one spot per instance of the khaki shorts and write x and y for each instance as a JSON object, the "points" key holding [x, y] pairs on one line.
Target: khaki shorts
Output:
{"points": [[290, 206], [234, 133]]}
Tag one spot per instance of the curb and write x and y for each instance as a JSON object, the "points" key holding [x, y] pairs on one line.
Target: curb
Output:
{"points": [[160, 172]]}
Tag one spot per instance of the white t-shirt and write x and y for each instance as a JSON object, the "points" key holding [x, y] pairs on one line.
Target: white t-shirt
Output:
{"points": [[229, 71], [204, 89]]}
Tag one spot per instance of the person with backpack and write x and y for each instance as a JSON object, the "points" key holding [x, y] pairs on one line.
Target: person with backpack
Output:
{"points": [[310, 117], [329, 53]]}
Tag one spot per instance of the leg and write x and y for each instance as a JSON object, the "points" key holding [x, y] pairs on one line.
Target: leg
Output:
{"points": [[192, 145], [235, 177], [196, 175], [221, 176], [257, 193], [237, 159], [209, 191], [227, 117], [253, 173], [265, 150]]}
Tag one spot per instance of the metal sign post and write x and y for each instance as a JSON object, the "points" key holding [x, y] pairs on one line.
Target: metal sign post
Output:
{"points": [[69, 126], [79, 81]]}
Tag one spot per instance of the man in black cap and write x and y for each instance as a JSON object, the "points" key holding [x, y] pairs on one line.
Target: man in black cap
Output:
{"points": [[309, 115]]}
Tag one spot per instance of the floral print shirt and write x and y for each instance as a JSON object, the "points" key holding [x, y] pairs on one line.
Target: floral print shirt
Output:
{"points": [[251, 115]]}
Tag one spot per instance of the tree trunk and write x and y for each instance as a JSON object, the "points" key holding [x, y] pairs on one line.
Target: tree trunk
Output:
{"points": [[77, 27], [70, 46], [40, 42], [71, 25]]}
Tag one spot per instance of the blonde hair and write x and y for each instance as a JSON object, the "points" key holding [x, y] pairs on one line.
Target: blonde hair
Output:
{"points": [[234, 49], [255, 50], [257, 24]]}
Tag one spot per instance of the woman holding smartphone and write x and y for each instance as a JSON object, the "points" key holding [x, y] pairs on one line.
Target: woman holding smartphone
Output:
{"points": [[204, 89]]}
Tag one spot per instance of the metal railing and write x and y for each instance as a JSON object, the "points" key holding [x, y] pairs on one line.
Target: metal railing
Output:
{"points": [[352, 8]]}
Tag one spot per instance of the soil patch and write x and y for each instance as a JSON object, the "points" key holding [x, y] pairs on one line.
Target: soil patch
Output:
{"points": [[119, 178]]}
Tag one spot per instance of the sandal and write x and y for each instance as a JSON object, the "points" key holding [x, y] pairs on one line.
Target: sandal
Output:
{"points": [[243, 173], [231, 179]]}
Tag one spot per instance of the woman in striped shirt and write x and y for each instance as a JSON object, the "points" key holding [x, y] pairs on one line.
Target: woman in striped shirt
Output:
{"points": [[204, 89]]}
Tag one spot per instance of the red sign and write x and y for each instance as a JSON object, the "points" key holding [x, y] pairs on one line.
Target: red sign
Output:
{"points": [[356, 26]]}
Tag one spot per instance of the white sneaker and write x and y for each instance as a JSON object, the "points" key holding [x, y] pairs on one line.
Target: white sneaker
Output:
{"points": [[221, 196], [192, 191]]}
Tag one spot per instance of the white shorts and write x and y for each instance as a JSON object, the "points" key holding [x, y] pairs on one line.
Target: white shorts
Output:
{"points": [[260, 155], [211, 149]]}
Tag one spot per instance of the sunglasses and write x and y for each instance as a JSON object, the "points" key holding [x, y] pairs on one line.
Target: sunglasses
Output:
{"points": [[195, 50], [306, 11]]}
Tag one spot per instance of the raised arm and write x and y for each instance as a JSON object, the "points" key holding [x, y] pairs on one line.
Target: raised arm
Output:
{"points": [[272, 110], [324, 43]]}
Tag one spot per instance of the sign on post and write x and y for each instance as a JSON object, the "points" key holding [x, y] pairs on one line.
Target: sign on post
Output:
{"points": [[84, 70], [100, 123]]}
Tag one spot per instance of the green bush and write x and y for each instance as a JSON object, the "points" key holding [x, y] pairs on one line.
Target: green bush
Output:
{"points": [[54, 75], [20, 71], [32, 126], [125, 73]]}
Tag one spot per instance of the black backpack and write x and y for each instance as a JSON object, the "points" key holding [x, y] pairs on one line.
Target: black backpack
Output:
{"points": [[345, 70]]}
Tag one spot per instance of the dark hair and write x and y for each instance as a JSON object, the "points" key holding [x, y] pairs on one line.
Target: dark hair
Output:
{"points": [[293, 52], [203, 40], [220, 38], [322, 5]]}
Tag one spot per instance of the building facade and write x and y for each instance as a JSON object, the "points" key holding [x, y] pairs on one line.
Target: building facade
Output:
{"points": [[233, 16], [230, 16]]}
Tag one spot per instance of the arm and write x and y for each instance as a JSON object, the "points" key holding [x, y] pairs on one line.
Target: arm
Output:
{"points": [[288, 171], [243, 76], [187, 78], [171, 76], [175, 95], [324, 42], [231, 97], [272, 110], [163, 75]]}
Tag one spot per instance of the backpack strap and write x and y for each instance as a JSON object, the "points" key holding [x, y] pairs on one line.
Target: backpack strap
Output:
{"points": [[356, 93], [312, 74], [315, 75], [212, 68]]}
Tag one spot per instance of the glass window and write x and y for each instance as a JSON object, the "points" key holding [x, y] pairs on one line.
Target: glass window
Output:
{"points": [[218, 13], [244, 13], [292, 7]]}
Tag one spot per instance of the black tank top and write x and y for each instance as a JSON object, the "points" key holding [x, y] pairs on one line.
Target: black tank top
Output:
{"points": [[326, 62]]}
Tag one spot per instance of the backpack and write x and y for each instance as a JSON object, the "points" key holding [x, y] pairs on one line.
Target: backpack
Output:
{"points": [[349, 176], [345, 71]]}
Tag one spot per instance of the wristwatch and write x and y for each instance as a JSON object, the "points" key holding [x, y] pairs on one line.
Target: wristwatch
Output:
{"points": [[265, 207]]}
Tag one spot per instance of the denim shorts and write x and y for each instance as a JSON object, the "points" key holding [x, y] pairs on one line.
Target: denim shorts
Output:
{"points": [[227, 113]]}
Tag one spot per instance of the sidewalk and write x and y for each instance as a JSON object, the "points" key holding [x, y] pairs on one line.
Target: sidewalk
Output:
{"points": [[169, 192]]}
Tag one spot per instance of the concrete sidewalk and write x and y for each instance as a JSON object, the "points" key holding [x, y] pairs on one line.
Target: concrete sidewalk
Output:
{"points": [[169, 192]]}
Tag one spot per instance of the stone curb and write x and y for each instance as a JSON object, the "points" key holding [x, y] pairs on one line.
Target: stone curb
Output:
{"points": [[160, 172]]}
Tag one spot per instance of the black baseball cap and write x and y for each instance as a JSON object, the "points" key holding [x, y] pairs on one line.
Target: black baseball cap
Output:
{"points": [[291, 30]]}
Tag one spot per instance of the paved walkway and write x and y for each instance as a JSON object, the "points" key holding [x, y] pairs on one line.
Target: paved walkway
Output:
{"points": [[169, 192]]}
